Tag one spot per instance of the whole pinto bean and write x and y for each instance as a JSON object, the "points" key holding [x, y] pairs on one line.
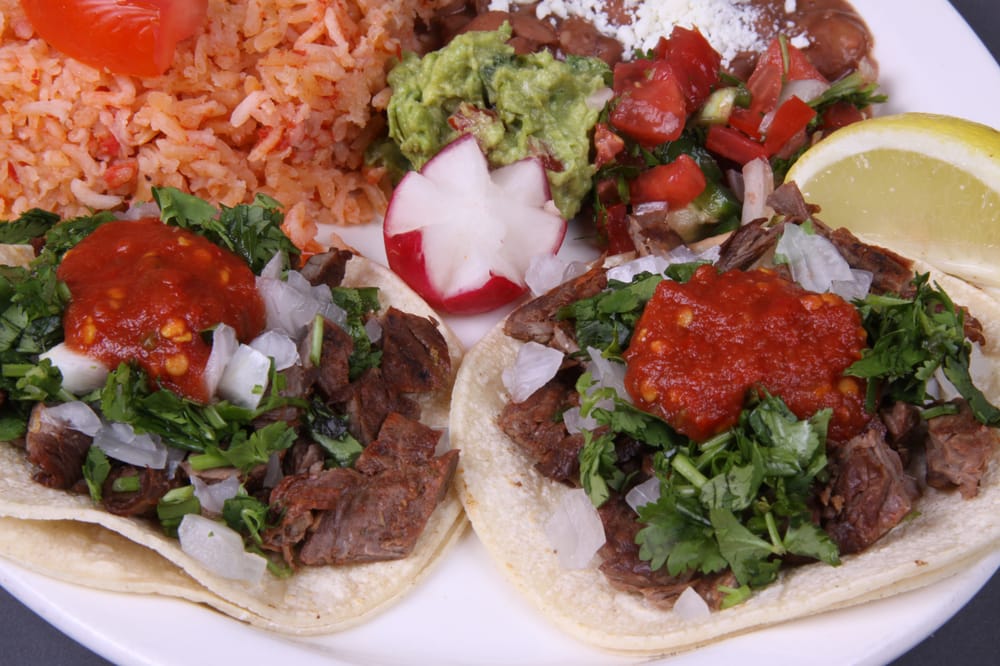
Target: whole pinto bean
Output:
{"points": [[839, 40], [579, 37]]}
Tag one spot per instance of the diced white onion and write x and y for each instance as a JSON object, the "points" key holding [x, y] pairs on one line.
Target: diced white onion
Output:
{"points": [[690, 606], [856, 288], [224, 345], [576, 422], [805, 89], [278, 346], [75, 415], [272, 270], [292, 304], [575, 530], [758, 183], [245, 378], [599, 98], [546, 271], [219, 548], [645, 493], [120, 441], [373, 329], [940, 387], [651, 263], [213, 495], [80, 373], [535, 365], [607, 373], [815, 262]]}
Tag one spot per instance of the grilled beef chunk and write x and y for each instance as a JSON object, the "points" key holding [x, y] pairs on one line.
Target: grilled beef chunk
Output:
{"points": [[536, 319], [376, 511], [401, 441], [56, 450], [958, 451], [651, 233], [747, 245], [891, 273], [536, 426], [298, 384], [303, 457], [296, 499], [906, 429], [327, 268], [787, 201], [621, 565], [414, 353], [334, 365], [382, 517], [870, 493], [153, 484], [371, 400]]}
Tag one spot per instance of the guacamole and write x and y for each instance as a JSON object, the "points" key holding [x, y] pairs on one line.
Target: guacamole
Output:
{"points": [[515, 105]]}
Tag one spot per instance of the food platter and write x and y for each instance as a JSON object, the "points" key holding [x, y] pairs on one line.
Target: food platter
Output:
{"points": [[464, 612]]}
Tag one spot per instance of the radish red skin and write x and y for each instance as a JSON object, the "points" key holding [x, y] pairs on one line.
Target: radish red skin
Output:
{"points": [[406, 258], [463, 235]]}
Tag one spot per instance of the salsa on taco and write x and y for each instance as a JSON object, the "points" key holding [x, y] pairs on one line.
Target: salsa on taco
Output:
{"points": [[788, 422], [268, 434]]}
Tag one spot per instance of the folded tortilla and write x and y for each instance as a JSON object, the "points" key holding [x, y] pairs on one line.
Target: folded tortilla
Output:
{"points": [[65, 536], [509, 502]]}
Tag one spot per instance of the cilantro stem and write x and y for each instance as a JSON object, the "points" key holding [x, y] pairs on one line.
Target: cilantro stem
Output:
{"points": [[683, 466], [16, 369], [777, 545]]}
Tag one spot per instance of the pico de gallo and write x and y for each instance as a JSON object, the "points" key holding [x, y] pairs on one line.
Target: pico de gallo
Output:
{"points": [[674, 140]]}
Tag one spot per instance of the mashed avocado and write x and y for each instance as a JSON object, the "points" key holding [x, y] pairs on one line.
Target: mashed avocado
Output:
{"points": [[515, 105]]}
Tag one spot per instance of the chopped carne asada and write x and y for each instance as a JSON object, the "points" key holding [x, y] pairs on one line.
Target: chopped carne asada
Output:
{"points": [[786, 476], [310, 443]]}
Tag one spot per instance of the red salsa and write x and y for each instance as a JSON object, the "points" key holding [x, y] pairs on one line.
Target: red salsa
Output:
{"points": [[144, 291], [701, 346]]}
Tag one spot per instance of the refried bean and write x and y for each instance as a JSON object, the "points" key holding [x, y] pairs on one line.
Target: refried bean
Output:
{"points": [[835, 38]]}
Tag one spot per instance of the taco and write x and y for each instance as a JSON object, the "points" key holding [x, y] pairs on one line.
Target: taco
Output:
{"points": [[298, 484], [859, 460]]}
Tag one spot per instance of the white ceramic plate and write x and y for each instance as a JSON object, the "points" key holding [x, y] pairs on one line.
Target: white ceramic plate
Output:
{"points": [[465, 613]]}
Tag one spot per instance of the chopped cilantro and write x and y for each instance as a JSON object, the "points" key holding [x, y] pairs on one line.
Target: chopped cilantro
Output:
{"points": [[358, 303], [252, 231], [96, 468], [246, 452], [174, 505], [910, 340], [329, 430]]}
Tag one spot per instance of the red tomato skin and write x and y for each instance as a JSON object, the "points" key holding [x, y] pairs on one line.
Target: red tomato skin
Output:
{"points": [[733, 145], [772, 72], [651, 112], [791, 118], [134, 37], [613, 224], [405, 256], [677, 183], [694, 61]]}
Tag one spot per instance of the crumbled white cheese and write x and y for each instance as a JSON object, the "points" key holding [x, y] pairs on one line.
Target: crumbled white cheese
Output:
{"points": [[728, 25]]}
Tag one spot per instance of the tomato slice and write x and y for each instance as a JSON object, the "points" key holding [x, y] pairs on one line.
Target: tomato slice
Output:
{"points": [[733, 145], [792, 117], [677, 183], [613, 223], [651, 112], [781, 63], [135, 37], [694, 62]]}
